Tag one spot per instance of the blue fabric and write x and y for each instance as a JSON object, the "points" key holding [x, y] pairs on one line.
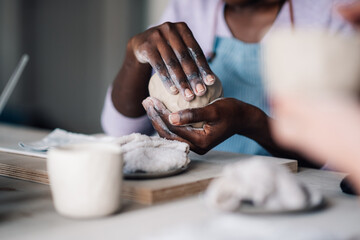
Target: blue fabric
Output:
{"points": [[238, 66]]}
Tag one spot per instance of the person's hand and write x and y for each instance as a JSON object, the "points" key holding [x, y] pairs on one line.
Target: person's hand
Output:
{"points": [[327, 130], [351, 13], [172, 51], [223, 118], [175, 55]]}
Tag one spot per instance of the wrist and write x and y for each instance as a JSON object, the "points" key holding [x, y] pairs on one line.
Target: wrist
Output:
{"points": [[130, 85], [253, 123]]}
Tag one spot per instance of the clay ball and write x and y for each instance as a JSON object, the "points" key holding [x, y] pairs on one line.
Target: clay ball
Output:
{"points": [[177, 102]]}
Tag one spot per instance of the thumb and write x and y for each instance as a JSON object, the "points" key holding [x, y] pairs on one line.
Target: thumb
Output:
{"points": [[194, 115]]}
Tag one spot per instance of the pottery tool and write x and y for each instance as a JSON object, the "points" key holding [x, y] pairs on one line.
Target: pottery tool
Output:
{"points": [[9, 88]]}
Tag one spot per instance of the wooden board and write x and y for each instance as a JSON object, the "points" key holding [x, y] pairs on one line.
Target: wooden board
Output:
{"points": [[201, 171], [195, 180]]}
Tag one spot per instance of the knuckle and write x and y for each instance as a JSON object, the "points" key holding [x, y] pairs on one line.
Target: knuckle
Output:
{"points": [[184, 56], [214, 114], [197, 52], [159, 66], [167, 26], [146, 46], [156, 34], [166, 80], [172, 63], [190, 115], [187, 115], [184, 30], [194, 77], [182, 26]]}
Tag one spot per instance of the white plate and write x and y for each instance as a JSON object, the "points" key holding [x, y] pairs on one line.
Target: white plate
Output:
{"points": [[152, 175], [316, 202]]}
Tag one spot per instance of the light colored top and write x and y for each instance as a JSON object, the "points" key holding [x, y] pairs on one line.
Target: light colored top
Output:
{"points": [[200, 16]]}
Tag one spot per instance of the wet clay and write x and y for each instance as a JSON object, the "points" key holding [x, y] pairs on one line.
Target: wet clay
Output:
{"points": [[177, 102]]}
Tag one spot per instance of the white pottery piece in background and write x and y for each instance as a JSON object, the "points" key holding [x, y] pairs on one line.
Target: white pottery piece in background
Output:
{"points": [[312, 62]]}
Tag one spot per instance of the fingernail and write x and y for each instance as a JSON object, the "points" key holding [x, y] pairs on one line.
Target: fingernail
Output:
{"points": [[188, 93], [210, 79], [173, 89], [200, 88], [174, 118]]}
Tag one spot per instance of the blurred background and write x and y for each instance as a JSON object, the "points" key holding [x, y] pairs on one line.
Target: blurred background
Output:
{"points": [[75, 49]]}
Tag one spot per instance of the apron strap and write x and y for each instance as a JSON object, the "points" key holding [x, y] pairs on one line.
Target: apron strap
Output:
{"points": [[210, 55]]}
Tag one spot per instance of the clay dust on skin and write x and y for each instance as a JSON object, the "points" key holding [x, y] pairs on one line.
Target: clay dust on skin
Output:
{"points": [[142, 56], [201, 69], [190, 95], [156, 109], [208, 78], [154, 116], [176, 81], [161, 109], [194, 75], [192, 52]]}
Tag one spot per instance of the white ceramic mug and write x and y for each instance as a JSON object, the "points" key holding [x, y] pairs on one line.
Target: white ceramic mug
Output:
{"points": [[86, 179]]}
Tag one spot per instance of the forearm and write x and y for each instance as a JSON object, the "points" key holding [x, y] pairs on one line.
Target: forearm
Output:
{"points": [[130, 86], [116, 124], [260, 132]]}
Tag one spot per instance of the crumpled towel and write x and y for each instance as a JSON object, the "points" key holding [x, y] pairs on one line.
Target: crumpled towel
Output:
{"points": [[140, 152], [152, 154], [267, 185]]}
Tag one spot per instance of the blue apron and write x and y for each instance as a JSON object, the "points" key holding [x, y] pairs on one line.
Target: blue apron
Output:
{"points": [[238, 66]]}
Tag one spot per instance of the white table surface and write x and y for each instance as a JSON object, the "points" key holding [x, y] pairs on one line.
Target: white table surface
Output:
{"points": [[27, 212]]}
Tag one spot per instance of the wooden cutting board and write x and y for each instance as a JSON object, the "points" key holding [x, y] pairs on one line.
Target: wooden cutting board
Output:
{"points": [[195, 180], [201, 171]]}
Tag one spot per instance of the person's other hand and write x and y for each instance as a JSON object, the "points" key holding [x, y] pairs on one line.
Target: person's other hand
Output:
{"points": [[175, 55], [223, 118], [327, 130], [351, 13]]}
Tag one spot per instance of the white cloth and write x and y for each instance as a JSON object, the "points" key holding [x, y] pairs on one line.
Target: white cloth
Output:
{"points": [[140, 152], [152, 154]]}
